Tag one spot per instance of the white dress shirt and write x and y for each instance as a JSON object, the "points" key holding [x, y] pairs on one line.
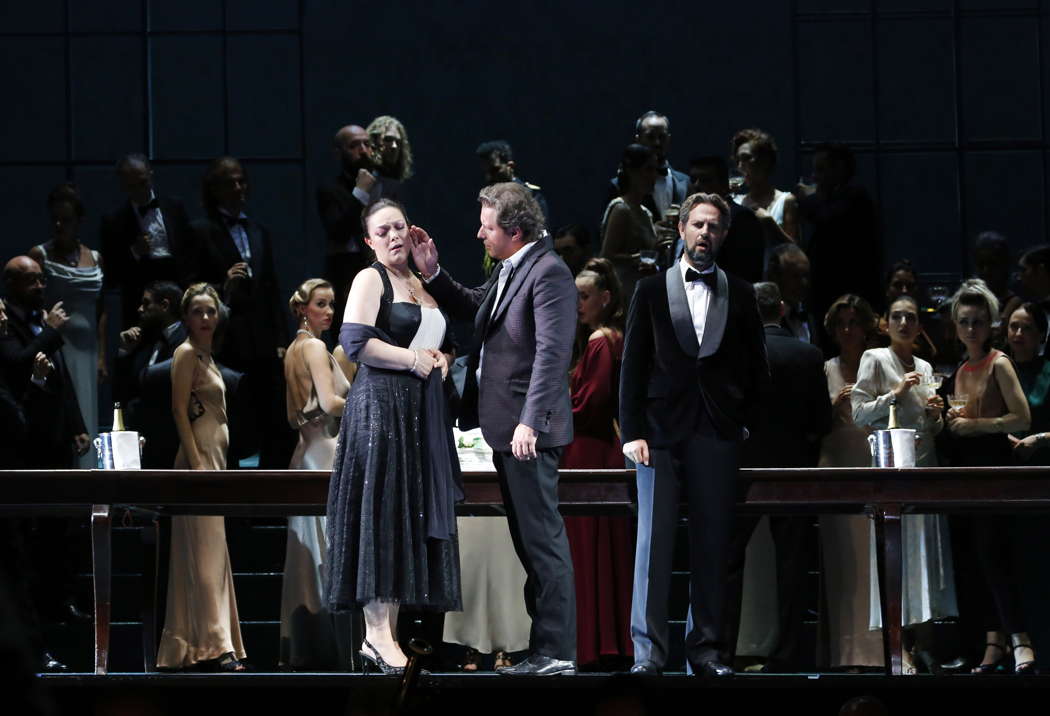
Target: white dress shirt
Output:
{"points": [[698, 296], [152, 223], [663, 193]]}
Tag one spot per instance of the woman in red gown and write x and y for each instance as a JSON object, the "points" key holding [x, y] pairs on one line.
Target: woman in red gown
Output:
{"points": [[602, 547]]}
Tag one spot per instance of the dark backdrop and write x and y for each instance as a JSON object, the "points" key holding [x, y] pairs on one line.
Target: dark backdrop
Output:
{"points": [[944, 101]]}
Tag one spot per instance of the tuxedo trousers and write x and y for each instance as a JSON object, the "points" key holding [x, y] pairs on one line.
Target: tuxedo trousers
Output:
{"points": [[704, 467], [530, 497]]}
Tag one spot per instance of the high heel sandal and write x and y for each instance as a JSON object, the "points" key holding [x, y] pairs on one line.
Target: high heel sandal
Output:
{"points": [[470, 660], [228, 663], [376, 660], [996, 667], [1025, 668]]}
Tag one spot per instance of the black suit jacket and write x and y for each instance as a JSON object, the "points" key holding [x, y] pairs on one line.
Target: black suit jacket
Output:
{"points": [[528, 347], [257, 324], [668, 379], [796, 410], [119, 231], [53, 413], [340, 214]]}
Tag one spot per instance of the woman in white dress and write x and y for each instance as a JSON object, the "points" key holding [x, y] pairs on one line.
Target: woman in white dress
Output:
{"points": [[316, 394], [845, 540], [896, 373], [755, 154], [74, 278]]}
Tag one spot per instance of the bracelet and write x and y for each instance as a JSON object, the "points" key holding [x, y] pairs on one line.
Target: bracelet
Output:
{"points": [[427, 278], [415, 359]]}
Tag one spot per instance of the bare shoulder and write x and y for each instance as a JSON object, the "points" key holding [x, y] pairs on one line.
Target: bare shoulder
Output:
{"points": [[368, 280]]}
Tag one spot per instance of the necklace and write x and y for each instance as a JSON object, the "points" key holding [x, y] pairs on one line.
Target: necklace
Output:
{"points": [[407, 283], [303, 330], [72, 259]]}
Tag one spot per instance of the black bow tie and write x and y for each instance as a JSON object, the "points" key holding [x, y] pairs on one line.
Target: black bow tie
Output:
{"points": [[151, 204], [708, 278]]}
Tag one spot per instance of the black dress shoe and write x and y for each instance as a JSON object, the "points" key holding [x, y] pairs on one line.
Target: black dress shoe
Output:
{"points": [[539, 665], [71, 613], [51, 665], [645, 668], [713, 669]]}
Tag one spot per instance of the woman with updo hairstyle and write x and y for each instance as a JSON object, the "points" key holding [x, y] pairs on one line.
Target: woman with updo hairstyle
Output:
{"points": [[627, 225], [990, 405], [392, 539], [201, 626], [316, 395], [1026, 328], [602, 547], [74, 274], [755, 154], [845, 539], [896, 375]]}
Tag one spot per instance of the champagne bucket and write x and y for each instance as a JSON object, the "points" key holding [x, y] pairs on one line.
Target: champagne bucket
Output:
{"points": [[119, 450], [893, 448]]}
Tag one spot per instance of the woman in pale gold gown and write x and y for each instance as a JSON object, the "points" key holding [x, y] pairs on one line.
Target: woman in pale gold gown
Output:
{"points": [[201, 627]]}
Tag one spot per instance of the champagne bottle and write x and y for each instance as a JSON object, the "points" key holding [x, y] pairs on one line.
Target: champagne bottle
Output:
{"points": [[118, 418], [893, 424]]}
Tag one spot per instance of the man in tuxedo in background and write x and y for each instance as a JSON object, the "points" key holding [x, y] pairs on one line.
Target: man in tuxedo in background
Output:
{"points": [[653, 130], [234, 252], [340, 205], [788, 268], [694, 368], [152, 342], [795, 415], [517, 390], [146, 239]]}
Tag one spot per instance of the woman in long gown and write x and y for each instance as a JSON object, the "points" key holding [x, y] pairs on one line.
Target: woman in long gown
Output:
{"points": [[74, 278], [896, 373], [391, 523], [316, 395], [201, 626], [845, 539], [627, 225], [995, 406], [602, 547]]}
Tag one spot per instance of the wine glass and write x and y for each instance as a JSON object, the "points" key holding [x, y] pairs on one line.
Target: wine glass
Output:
{"points": [[958, 401]]}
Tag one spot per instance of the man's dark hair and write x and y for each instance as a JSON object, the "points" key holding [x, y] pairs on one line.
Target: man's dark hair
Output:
{"points": [[581, 232], [993, 241], [841, 153], [1039, 256], [775, 265], [767, 295], [719, 164], [166, 291], [132, 159], [499, 147], [211, 179], [651, 113]]}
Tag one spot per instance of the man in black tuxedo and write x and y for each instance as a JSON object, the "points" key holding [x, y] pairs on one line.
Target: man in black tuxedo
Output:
{"points": [[517, 390], [653, 130], [694, 368], [146, 239], [152, 342], [795, 415], [234, 252], [341, 204]]}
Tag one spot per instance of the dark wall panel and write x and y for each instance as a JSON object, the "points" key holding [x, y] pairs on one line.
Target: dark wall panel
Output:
{"points": [[188, 96], [1002, 195], [109, 116], [265, 112], [42, 16], [274, 202], [101, 194], [920, 210], [836, 97], [106, 16], [25, 189], [1000, 71], [269, 15], [183, 15], [917, 83], [904, 6], [33, 124]]}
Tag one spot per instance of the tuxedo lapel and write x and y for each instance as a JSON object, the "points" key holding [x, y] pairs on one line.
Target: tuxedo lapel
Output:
{"points": [[679, 307], [717, 313], [517, 279]]}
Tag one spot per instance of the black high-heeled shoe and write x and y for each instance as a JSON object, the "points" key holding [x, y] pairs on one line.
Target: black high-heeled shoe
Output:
{"points": [[996, 667], [375, 659], [1025, 668]]}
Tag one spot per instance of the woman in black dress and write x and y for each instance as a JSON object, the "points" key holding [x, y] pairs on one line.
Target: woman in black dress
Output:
{"points": [[391, 528]]}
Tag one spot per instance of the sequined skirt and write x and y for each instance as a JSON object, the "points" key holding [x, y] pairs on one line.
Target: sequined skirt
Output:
{"points": [[377, 533]]}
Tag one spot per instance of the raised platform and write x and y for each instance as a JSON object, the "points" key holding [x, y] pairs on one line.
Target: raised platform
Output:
{"points": [[337, 693]]}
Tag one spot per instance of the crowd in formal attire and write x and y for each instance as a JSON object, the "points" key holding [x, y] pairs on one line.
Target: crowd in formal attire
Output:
{"points": [[720, 323]]}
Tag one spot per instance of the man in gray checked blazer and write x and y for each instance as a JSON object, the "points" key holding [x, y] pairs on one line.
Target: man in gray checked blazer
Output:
{"points": [[517, 390]]}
